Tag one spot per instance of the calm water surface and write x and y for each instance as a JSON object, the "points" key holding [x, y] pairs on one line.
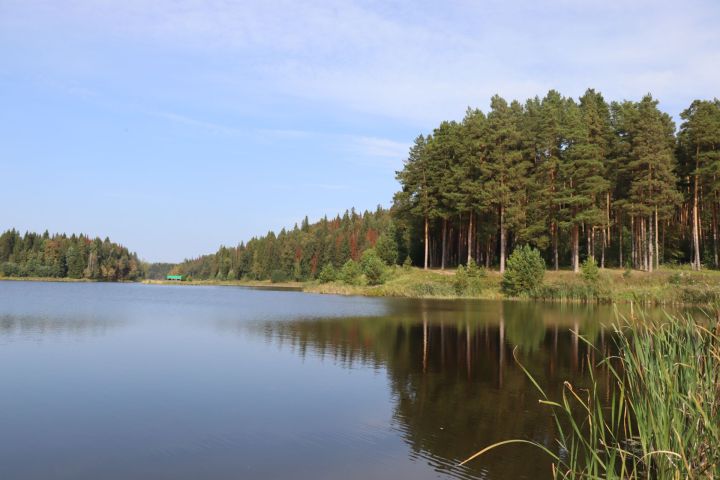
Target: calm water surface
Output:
{"points": [[118, 381]]}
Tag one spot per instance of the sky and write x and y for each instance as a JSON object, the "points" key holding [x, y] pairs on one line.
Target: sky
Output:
{"points": [[177, 126]]}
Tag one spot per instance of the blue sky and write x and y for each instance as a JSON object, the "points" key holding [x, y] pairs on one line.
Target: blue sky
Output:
{"points": [[176, 126]]}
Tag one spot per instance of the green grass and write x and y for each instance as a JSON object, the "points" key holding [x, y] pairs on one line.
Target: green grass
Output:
{"points": [[662, 417], [664, 287], [412, 283]]}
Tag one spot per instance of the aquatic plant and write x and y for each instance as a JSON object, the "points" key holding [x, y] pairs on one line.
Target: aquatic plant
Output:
{"points": [[662, 417]]}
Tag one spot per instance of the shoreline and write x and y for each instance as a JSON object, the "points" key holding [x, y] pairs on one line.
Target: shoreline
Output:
{"points": [[665, 287]]}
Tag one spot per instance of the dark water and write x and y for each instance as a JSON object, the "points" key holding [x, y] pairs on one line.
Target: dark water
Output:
{"points": [[117, 381]]}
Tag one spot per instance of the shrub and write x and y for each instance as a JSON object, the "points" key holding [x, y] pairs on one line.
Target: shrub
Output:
{"points": [[474, 271], [373, 267], [407, 264], [350, 273], [460, 282], [9, 269], [524, 273], [590, 271], [328, 273], [628, 270], [277, 276], [475, 274]]}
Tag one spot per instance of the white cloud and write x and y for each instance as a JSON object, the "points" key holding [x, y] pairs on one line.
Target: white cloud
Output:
{"points": [[415, 61]]}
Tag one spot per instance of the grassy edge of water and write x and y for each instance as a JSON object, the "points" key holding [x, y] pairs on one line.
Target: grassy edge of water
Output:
{"points": [[666, 286], [662, 420]]}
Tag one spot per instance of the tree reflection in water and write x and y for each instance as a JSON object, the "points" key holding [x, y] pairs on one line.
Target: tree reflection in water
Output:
{"points": [[453, 380]]}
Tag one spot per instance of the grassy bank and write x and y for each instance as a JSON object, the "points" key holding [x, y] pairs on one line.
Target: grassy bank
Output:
{"points": [[232, 283], [48, 279], [666, 286], [658, 419]]}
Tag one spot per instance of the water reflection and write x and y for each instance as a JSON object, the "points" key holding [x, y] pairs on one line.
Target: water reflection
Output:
{"points": [[453, 380], [220, 382]]}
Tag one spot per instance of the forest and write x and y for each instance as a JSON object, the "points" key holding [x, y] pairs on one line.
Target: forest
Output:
{"points": [[60, 256], [301, 253], [615, 181], [583, 178]]}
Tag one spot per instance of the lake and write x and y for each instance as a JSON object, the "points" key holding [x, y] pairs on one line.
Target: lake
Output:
{"points": [[118, 381]]}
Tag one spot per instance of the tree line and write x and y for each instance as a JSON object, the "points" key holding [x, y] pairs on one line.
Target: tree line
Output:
{"points": [[302, 252], [60, 256], [572, 178], [616, 182]]}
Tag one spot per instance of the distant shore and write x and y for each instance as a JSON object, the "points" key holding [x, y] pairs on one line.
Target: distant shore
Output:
{"points": [[667, 286]]}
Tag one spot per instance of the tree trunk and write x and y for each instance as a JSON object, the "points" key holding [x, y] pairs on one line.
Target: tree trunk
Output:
{"points": [[620, 239], [470, 238], [575, 248], [588, 234], [444, 244], [459, 241], [715, 231], [633, 243], [427, 243], [651, 241], [556, 260], [502, 239], [487, 253], [696, 220], [657, 243]]}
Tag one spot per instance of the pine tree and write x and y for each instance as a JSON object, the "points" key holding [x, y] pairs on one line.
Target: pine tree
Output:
{"points": [[700, 146]]}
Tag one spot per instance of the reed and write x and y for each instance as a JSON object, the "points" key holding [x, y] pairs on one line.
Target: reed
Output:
{"points": [[661, 419]]}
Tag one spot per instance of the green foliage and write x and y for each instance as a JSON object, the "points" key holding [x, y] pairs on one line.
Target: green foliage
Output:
{"points": [[278, 276], [627, 273], [661, 416], [302, 252], [407, 264], [373, 267], [590, 271], [328, 273], [524, 273], [467, 280], [460, 282], [350, 273], [60, 256], [474, 271], [386, 246]]}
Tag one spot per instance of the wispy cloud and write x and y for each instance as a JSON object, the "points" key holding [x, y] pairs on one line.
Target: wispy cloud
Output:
{"points": [[404, 59], [354, 144]]}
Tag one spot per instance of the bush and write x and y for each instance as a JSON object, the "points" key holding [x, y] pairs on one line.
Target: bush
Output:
{"points": [[328, 273], [475, 274], [524, 273], [460, 281], [628, 270], [277, 276], [350, 273], [407, 264], [474, 271], [590, 271], [9, 269], [373, 267]]}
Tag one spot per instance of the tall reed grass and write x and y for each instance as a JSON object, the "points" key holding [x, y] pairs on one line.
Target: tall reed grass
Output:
{"points": [[661, 419]]}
